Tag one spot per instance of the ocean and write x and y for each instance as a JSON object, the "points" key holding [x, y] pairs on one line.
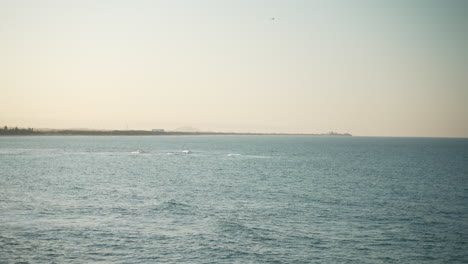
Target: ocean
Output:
{"points": [[233, 199]]}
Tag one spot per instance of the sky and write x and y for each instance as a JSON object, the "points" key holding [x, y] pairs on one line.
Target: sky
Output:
{"points": [[370, 68]]}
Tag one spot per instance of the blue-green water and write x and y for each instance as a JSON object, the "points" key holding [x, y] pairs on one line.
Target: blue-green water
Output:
{"points": [[279, 199]]}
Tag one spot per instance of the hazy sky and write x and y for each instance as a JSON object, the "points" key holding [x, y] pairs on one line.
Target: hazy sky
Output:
{"points": [[382, 68]]}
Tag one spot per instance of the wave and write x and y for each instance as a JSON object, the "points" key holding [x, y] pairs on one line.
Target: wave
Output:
{"points": [[241, 230], [130, 152], [175, 207]]}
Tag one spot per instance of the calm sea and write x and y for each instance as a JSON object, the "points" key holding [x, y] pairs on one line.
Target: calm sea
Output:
{"points": [[233, 199]]}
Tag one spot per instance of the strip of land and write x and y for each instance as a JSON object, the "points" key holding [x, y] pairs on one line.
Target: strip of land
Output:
{"points": [[73, 132]]}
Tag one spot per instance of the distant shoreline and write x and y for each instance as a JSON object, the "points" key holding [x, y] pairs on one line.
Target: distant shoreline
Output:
{"points": [[31, 132]]}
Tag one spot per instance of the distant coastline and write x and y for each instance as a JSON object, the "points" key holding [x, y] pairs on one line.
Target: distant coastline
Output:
{"points": [[83, 132]]}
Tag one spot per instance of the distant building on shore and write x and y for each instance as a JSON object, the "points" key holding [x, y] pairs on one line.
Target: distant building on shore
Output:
{"points": [[157, 130]]}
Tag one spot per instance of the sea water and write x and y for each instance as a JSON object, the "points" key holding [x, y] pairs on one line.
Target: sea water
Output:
{"points": [[233, 199]]}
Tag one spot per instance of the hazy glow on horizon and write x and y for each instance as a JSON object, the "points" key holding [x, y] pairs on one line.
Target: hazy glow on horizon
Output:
{"points": [[383, 68]]}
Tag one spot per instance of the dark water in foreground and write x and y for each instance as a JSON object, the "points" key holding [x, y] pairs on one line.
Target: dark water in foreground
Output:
{"points": [[280, 199]]}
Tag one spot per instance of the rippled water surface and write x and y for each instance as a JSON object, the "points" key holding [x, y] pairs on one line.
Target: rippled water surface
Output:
{"points": [[233, 199]]}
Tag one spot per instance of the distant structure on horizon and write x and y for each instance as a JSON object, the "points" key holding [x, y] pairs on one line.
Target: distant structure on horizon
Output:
{"points": [[331, 133], [157, 130]]}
